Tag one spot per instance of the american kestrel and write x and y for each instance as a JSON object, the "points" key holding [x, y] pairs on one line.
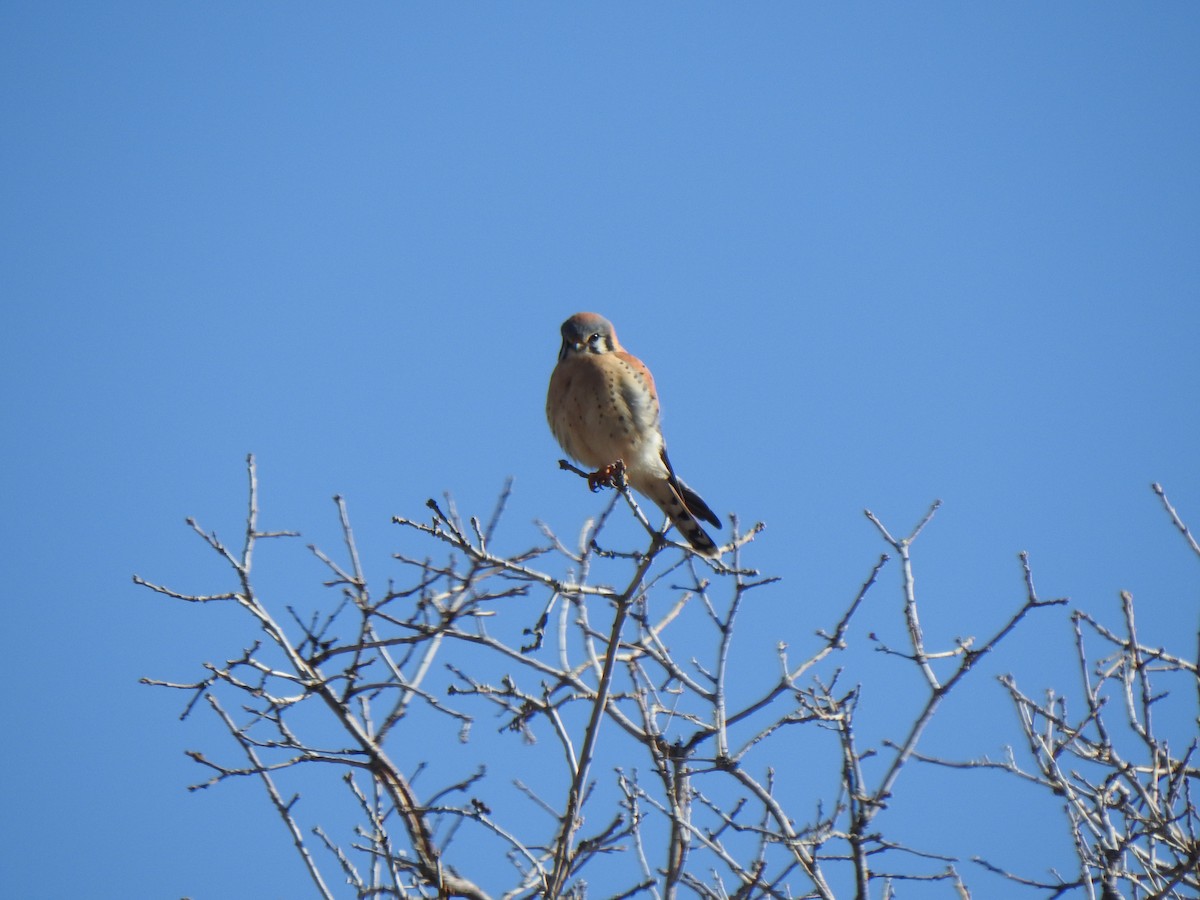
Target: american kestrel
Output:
{"points": [[603, 407]]}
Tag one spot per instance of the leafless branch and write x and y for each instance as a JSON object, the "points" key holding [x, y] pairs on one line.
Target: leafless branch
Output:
{"points": [[645, 751]]}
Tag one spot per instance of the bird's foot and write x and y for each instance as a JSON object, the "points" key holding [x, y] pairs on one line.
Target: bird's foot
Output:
{"points": [[612, 475]]}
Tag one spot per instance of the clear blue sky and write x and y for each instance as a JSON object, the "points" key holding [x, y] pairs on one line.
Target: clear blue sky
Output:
{"points": [[874, 255]]}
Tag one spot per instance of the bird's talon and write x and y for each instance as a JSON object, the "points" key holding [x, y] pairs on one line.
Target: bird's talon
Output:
{"points": [[612, 475]]}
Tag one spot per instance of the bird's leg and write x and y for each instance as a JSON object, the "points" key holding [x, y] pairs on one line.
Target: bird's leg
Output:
{"points": [[612, 475]]}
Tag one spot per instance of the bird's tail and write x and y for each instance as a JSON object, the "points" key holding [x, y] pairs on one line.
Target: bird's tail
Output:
{"points": [[682, 505]]}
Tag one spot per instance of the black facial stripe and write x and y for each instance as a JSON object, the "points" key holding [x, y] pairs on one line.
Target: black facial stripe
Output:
{"points": [[600, 343]]}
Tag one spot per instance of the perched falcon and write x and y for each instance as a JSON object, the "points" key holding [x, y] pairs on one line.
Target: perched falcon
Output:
{"points": [[603, 407]]}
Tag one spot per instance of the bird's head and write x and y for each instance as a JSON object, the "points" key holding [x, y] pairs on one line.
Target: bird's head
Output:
{"points": [[587, 332]]}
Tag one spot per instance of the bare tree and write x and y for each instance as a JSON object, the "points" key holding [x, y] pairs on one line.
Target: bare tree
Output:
{"points": [[642, 765], [1126, 788]]}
